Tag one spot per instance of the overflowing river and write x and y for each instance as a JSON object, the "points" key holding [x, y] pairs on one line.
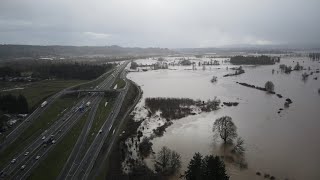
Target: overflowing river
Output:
{"points": [[285, 144]]}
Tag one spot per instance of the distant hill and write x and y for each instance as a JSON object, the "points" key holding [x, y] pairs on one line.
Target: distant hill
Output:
{"points": [[31, 51]]}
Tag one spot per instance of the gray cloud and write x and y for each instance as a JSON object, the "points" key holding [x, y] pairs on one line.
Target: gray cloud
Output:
{"points": [[159, 23]]}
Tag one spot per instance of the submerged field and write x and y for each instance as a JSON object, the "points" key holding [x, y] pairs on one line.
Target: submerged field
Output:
{"points": [[282, 143]]}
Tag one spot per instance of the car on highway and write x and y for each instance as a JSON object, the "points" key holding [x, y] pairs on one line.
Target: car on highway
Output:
{"points": [[37, 157], [53, 141], [2, 174], [13, 160], [43, 138], [26, 154], [23, 166], [100, 131]]}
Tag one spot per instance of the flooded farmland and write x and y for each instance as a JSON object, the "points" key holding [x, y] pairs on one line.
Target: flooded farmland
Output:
{"points": [[283, 143]]}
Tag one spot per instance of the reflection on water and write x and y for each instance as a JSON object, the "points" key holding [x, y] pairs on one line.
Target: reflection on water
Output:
{"points": [[285, 145]]}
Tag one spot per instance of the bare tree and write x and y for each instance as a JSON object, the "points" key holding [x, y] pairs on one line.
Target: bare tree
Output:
{"points": [[239, 147], [168, 161], [225, 128], [269, 86]]}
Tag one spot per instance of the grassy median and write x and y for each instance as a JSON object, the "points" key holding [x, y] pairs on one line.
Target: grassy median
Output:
{"points": [[50, 167], [111, 167], [100, 117], [46, 119]]}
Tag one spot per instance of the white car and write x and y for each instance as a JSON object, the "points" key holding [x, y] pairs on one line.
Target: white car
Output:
{"points": [[37, 157], [53, 141], [23, 166], [43, 138], [100, 131], [13, 160], [26, 154]]}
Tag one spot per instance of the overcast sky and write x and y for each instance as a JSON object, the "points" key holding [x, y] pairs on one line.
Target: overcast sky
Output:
{"points": [[160, 23]]}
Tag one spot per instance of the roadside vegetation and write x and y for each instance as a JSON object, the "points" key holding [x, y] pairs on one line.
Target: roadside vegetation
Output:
{"points": [[111, 167], [92, 84], [13, 104], [51, 166], [120, 83], [37, 92], [45, 120]]}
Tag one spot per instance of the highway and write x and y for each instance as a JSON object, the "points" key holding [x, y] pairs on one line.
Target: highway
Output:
{"points": [[76, 161], [17, 131], [58, 130], [112, 140], [83, 169]]}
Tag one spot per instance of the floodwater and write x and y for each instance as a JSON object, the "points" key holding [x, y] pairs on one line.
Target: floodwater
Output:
{"points": [[285, 145]]}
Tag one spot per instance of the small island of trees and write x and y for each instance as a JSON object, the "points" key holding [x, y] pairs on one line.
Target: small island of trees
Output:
{"points": [[254, 60]]}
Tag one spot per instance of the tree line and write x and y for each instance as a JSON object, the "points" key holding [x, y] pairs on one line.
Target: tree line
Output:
{"points": [[206, 168], [58, 70], [171, 108], [176, 108], [70, 71], [12, 51], [13, 104], [8, 71], [314, 56], [254, 60]]}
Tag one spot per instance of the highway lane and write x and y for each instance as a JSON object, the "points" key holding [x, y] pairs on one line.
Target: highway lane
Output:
{"points": [[71, 165], [94, 173], [49, 131], [43, 151], [78, 148], [60, 123], [16, 132], [83, 169]]}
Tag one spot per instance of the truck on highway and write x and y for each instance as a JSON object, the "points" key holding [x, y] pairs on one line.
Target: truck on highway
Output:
{"points": [[88, 103], [44, 104]]}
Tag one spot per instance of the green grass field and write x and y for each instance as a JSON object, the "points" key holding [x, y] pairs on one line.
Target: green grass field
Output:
{"points": [[93, 84], [38, 126], [51, 166], [37, 92], [120, 83], [100, 117]]}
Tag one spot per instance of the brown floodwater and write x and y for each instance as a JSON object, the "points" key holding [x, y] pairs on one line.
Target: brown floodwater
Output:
{"points": [[285, 145]]}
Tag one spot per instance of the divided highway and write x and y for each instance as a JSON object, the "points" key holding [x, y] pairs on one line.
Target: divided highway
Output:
{"points": [[16, 132], [36, 151]]}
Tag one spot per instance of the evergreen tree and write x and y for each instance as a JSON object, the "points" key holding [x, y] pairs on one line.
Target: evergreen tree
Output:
{"points": [[214, 169], [22, 104], [194, 171], [207, 168]]}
